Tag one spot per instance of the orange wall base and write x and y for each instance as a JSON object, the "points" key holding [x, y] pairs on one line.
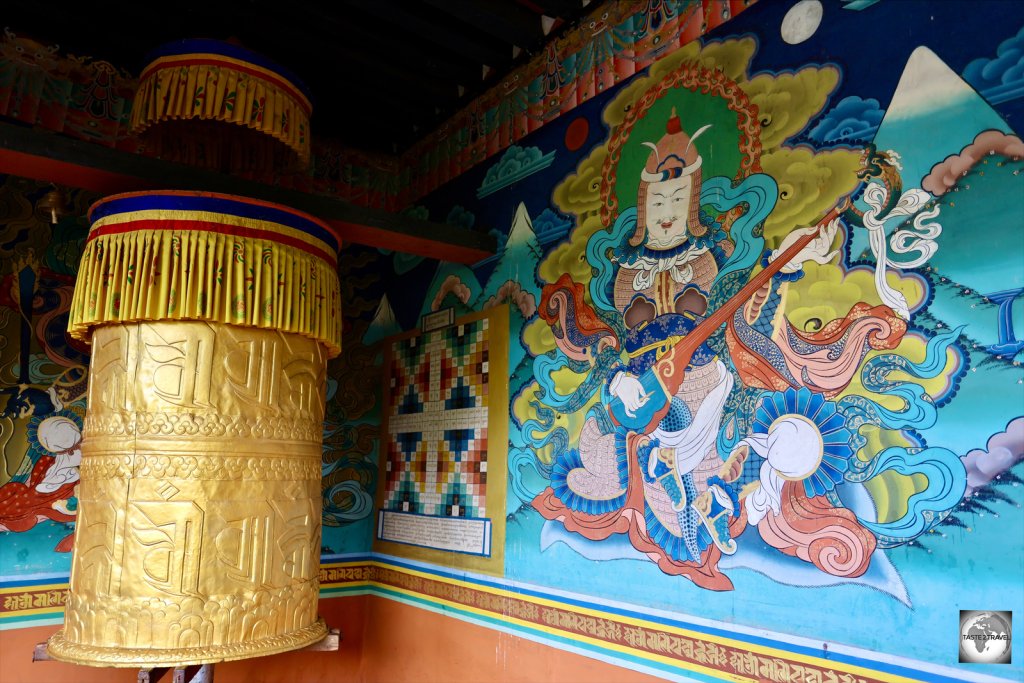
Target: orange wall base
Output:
{"points": [[382, 642], [16, 664], [407, 644]]}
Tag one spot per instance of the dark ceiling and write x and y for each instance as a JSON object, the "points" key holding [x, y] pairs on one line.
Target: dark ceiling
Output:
{"points": [[382, 73]]}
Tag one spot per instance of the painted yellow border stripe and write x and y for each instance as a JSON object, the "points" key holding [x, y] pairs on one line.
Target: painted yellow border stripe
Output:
{"points": [[56, 609], [34, 589], [546, 602], [644, 654], [348, 584], [13, 615], [695, 635], [674, 663]]}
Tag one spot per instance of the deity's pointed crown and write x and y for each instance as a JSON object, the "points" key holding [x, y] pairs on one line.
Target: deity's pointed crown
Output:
{"points": [[675, 154]]}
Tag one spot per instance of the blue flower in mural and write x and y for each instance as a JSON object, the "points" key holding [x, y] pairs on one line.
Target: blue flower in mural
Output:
{"points": [[852, 119], [827, 424]]}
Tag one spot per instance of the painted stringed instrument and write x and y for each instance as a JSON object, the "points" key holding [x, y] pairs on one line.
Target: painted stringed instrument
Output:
{"points": [[663, 379]]}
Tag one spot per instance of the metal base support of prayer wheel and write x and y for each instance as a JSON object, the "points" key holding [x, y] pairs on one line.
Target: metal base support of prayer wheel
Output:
{"points": [[211, 319]]}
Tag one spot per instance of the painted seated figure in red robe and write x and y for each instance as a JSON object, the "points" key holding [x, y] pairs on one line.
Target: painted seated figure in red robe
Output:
{"points": [[50, 483]]}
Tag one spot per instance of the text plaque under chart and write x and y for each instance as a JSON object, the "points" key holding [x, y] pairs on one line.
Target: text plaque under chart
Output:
{"points": [[457, 534]]}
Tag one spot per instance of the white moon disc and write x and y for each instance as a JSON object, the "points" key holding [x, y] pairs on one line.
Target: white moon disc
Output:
{"points": [[801, 21]]}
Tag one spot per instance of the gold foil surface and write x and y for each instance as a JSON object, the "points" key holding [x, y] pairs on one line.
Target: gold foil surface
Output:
{"points": [[198, 535]]}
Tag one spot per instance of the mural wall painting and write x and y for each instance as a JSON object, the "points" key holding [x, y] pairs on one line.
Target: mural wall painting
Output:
{"points": [[695, 439], [42, 376], [765, 355], [351, 423]]}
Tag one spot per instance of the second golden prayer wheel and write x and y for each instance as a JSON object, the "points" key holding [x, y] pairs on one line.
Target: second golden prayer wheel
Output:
{"points": [[220, 106], [211, 319]]}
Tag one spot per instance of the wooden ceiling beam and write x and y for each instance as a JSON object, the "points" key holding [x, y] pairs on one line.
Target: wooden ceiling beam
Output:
{"points": [[411, 62], [412, 82], [505, 21], [306, 48], [49, 157], [443, 34], [568, 10], [412, 52]]}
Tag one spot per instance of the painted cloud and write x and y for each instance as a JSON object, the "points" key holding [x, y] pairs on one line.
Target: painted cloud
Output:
{"points": [[513, 292], [853, 119], [515, 164], [452, 285], [1003, 450], [460, 217], [944, 174], [550, 226], [1002, 78]]}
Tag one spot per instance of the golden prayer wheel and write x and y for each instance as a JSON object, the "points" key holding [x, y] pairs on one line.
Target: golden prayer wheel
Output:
{"points": [[211, 319]]}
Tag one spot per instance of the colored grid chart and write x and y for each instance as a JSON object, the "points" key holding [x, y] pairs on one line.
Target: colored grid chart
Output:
{"points": [[436, 455]]}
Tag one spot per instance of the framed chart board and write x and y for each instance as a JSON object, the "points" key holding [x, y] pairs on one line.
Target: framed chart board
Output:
{"points": [[444, 436]]}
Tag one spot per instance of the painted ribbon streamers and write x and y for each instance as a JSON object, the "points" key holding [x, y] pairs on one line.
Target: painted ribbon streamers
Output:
{"points": [[521, 461], [827, 360], [905, 241], [598, 247], [947, 480], [692, 444], [558, 439], [767, 497], [577, 327], [759, 192], [918, 411], [910, 202], [543, 369]]}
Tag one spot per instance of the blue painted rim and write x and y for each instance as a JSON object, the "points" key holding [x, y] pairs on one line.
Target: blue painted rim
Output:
{"points": [[174, 201], [219, 47]]}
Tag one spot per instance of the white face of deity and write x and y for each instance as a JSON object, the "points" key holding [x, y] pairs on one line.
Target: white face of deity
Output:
{"points": [[668, 206]]}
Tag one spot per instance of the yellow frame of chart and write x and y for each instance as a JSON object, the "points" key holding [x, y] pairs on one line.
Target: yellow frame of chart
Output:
{"points": [[497, 450]]}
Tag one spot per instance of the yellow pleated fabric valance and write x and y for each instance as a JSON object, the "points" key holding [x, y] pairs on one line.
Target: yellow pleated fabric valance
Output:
{"points": [[201, 256], [208, 80]]}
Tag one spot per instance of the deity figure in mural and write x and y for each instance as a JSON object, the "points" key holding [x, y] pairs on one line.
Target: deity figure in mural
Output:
{"points": [[51, 481], [651, 461]]}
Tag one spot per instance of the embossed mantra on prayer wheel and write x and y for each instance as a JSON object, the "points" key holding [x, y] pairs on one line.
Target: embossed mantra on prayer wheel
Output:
{"points": [[211, 319]]}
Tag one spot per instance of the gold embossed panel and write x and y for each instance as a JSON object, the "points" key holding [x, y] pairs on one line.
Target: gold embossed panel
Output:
{"points": [[199, 525]]}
